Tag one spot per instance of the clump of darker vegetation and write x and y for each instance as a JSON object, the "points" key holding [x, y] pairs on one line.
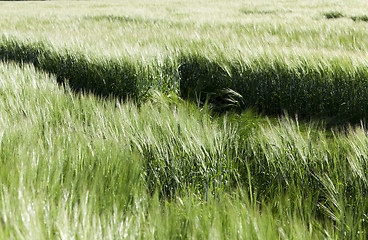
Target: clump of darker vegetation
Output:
{"points": [[333, 15], [334, 89], [259, 11], [363, 18], [117, 19]]}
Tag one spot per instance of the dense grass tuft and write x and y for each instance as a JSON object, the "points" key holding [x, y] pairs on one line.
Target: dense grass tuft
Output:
{"points": [[333, 15], [324, 89], [116, 77], [363, 18], [116, 18], [259, 11]]}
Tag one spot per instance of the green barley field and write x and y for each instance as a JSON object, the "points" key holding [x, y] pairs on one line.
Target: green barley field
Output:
{"points": [[164, 119]]}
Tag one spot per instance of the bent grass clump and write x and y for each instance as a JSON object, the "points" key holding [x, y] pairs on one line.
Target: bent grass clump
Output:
{"points": [[363, 18], [333, 15]]}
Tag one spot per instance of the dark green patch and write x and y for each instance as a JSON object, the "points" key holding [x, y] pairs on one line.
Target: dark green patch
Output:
{"points": [[113, 77], [120, 19], [259, 11], [270, 87], [363, 18], [333, 15]]}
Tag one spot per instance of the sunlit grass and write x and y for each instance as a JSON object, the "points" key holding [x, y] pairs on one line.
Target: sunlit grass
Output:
{"points": [[147, 30], [77, 166], [97, 140]]}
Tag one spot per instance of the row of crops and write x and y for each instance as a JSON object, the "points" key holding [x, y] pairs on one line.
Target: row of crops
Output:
{"points": [[335, 88]]}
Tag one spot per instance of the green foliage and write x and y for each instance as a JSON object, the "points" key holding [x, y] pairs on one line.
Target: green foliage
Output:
{"points": [[119, 19], [333, 15], [142, 162], [363, 18], [201, 78], [323, 89], [117, 77], [87, 168], [305, 89], [81, 166], [259, 11]]}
